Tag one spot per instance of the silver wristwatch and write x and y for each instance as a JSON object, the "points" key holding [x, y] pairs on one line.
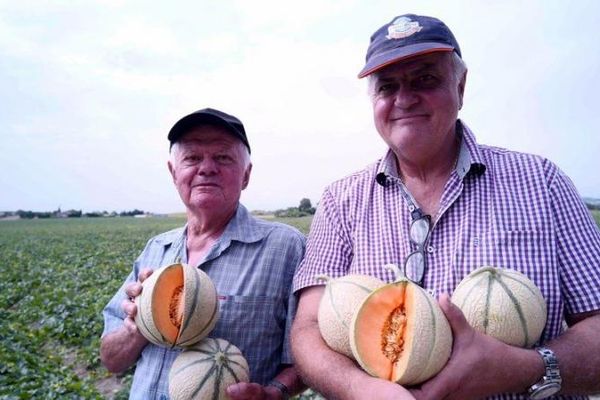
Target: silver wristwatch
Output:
{"points": [[551, 381]]}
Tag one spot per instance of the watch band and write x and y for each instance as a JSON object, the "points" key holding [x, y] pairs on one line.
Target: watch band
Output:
{"points": [[550, 363], [551, 382], [285, 391]]}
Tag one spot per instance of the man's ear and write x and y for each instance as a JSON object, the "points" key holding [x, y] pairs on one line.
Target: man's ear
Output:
{"points": [[171, 170], [247, 176], [461, 89]]}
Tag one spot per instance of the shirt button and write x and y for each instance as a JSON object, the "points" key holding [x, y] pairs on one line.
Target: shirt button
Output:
{"points": [[430, 249]]}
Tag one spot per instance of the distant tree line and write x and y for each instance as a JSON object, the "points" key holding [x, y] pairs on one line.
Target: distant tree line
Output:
{"points": [[593, 206], [305, 208], [27, 214]]}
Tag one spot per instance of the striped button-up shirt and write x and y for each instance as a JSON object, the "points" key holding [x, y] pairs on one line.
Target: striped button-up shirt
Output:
{"points": [[500, 208], [252, 265]]}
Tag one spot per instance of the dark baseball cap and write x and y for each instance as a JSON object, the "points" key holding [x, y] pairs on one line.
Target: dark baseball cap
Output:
{"points": [[406, 36], [208, 116]]}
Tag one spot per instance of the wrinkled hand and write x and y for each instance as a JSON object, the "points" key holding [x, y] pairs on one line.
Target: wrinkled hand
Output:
{"points": [[475, 369], [379, 389], [252, 391], [133, 290]]}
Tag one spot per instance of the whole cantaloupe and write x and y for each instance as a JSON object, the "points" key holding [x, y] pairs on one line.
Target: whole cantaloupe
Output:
{"points": [[400, 333], [205, 370], [502, 303], [178, 306], [340, 300]]}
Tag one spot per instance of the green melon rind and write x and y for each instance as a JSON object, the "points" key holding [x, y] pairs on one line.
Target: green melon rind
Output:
{"points": [[195, 373], [341, 298], [143, 318], [513, 311], [201, 307], [430, 344]]}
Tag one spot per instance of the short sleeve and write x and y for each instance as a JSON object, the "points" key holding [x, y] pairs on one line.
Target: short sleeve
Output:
{"points": [[113, 313], [294, 257], [329, 246], [578, 246]]}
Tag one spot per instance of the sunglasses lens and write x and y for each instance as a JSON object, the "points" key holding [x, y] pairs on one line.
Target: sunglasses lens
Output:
{"points": [[415, 267], [419, 230]]}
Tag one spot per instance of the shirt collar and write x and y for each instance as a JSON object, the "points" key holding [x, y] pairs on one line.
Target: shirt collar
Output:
{"points": [[242, 227], [468, 162]]}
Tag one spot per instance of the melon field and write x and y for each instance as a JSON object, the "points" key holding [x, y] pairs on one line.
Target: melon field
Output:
{"points": [[56, 275]]}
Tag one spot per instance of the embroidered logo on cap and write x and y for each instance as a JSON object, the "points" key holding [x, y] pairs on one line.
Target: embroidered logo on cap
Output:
{"points": [[403, 27]]}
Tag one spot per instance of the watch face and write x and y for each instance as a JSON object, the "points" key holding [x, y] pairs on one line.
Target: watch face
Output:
{"points": [[546, 390]]}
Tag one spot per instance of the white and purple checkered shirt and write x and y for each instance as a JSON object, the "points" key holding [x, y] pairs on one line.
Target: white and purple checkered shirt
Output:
{"points": [[252, 266], [500, 208]]}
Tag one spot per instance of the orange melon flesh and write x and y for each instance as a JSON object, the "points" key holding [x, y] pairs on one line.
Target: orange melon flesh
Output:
{"points": [[400, 333], [373, 319], [401, 365], [168, 314]]}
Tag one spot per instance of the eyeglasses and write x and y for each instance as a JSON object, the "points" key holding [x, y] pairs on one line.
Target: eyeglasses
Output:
{"points": [[416, 262]]}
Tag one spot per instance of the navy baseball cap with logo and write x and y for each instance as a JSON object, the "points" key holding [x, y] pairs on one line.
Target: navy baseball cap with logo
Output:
{"points": [[208, 116], [406, 36]]}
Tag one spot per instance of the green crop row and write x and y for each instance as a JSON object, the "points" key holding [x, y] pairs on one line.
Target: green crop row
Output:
{"points": [[55, 278], [56, 275]]}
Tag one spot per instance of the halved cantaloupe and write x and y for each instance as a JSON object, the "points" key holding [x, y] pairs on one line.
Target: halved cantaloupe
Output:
{"points": [[178, 306], [502, 303], [341, 299], [400, 333]]}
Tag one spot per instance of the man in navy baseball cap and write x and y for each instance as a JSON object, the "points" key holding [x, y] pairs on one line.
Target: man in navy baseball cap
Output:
{"points": [[432, 208], [407, 36]]}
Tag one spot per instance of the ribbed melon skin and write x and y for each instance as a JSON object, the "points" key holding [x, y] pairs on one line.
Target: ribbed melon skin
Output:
{"points": [[502, 303], [341, 299], [200, 307], [429, 343], [205, 370]]}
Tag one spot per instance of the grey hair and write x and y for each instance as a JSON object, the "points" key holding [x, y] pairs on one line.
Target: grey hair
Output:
{"points": [[459, 66], [176, 148]]}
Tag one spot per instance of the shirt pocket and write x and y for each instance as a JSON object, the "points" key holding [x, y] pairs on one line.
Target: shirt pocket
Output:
{"points": [[250, 317], [523, 250]]}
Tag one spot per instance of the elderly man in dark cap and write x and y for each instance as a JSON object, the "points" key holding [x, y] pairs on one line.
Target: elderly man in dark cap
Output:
{"points": [[439, 205], [250, 261]]}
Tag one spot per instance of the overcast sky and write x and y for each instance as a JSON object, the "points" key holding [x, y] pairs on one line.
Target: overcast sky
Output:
{"points": [[89, 90]]}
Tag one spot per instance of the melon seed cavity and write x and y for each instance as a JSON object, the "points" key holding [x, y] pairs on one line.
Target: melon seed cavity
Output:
{"points": [[391, 337], [174, 315]]}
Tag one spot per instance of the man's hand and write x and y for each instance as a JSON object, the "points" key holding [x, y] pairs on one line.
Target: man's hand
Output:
{"points": [[133, 290], [380, 389], [252, 391], [120, 349], [479, 366]]}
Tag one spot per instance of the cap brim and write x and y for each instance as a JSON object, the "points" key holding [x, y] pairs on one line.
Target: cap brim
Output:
{"points": [[397, 54]]}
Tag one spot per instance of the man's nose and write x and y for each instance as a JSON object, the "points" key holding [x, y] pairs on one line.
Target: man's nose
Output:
{"points": [[207, 166], [405, 97]]}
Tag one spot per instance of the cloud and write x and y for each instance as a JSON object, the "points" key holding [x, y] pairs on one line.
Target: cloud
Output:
{"points": [[91, 88]]}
